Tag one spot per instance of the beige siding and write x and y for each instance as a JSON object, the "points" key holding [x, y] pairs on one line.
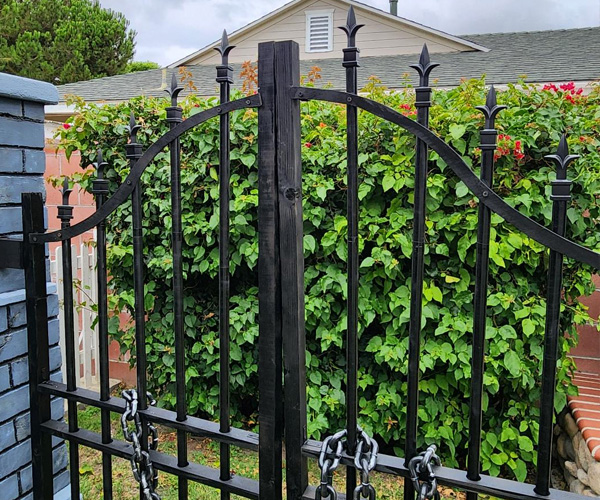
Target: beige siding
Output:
{"points": [[380, 36]]}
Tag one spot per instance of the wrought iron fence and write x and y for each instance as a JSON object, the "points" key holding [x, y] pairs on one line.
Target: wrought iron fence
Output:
{"points": [[281, 303]]}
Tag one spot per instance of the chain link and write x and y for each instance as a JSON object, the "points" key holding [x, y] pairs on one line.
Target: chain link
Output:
{"points": [[141, 465], [365, 460], [422, 475]]}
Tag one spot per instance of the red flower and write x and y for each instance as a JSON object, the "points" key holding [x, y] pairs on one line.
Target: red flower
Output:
{"points": [[517, 145], [67, 126], [307, 144]]}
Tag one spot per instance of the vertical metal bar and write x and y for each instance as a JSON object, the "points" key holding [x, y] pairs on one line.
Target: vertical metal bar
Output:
{"points": [[422, 103], [65, 214], [488, 145], [174, 116], [561, 189], [350, 62], [289, 182], [134, 152], [37, 340], [100, 190], [225, 79], [269, 287]]}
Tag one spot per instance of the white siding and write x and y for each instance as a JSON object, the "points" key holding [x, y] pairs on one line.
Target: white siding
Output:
{"points": [[380, 36]]}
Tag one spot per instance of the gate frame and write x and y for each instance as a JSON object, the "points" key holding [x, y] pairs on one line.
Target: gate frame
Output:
{"points": [[281, 298]]}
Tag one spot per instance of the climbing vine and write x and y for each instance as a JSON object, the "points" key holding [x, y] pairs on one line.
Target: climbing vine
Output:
{"points": [[529, 129]]}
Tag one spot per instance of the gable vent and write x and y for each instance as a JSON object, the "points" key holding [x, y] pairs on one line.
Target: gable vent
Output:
{"points": [[319, 31]]}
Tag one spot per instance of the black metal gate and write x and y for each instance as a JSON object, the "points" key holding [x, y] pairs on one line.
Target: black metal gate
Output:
{"points": [[281, 303]]}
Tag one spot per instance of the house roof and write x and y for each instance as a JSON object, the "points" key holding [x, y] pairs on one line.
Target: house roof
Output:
{"points": [[542, 56], [401, 21]]}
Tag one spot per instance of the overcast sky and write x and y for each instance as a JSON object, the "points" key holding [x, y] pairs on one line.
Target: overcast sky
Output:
{"points": [[170, 30]]}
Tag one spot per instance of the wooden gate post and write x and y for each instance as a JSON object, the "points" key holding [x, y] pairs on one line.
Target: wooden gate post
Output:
{"points": [[281, 273], [34, 260]]}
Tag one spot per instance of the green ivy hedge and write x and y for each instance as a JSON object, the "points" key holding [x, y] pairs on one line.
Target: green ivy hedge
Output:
{"points": [[529, 128]]}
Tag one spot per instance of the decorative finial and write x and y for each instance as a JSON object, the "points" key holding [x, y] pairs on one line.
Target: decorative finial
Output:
{"points": [[562, 159], [66, 191], [351, 28], [133, 128], [224, 49], [174, 90], [99, 165], [491, 108], [424, 66]]}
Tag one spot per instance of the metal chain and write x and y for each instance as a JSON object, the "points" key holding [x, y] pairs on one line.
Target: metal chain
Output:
{"points": [[365, 460], [329, 460], [141, 465], [422, 475]]}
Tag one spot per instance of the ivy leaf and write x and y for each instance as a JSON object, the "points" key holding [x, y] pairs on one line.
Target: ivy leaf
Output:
{"points": [[525, 443], [388, 182], [248, 159], [512, 363], [520, 470], [451, 279], [528, 327], [461, 189], [368, 262], [457, 130], [309, 243]]}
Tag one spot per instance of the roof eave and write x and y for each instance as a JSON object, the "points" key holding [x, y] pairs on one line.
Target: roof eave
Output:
{"points": [[379, 12]]}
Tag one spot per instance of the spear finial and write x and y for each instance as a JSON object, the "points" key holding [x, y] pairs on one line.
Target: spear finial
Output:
{"points": [[66, 191], [562, 159], [224, 49], [351, 27], [174, 89], [424, 66], [133, 128], [100, 165], [491, 109]]}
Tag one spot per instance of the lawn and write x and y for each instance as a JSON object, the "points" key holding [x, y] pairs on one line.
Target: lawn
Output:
{"points": [[201, 451]]}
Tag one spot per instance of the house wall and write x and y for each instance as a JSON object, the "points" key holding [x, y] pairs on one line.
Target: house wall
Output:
{"points": [[380, 35]]}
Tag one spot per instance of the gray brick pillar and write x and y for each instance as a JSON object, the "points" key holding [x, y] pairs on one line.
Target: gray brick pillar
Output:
{"points": [[22, 165]]}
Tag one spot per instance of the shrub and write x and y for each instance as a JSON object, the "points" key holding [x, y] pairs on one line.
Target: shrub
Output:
{"points": [[529, 128]]}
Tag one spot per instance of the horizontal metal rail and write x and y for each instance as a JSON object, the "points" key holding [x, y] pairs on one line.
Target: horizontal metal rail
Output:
{"points": [[484, 193], [132, 179], [454, 478], [237, 485], [193, 425]]}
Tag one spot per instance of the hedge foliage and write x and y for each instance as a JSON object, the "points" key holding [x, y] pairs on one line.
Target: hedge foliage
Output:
{"points": [[530, 128]]}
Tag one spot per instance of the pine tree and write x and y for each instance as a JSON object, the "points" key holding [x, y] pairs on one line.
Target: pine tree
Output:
{"points": [[63, 41]]}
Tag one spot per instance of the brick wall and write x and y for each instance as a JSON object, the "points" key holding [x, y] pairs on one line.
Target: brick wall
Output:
{"points": [[22, 165], [58, 166], [587, 352]]}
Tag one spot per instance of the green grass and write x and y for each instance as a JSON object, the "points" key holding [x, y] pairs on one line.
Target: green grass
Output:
{"points": [[201, 451]]}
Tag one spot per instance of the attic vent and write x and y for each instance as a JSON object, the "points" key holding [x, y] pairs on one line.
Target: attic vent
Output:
{"points": [[319, 30]]}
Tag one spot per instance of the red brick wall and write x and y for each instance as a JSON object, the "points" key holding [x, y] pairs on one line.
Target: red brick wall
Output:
{"points": [[587, 353], [57, 166]]}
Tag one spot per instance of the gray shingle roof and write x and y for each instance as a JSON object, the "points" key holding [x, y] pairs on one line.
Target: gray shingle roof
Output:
{"points": [[543, 56]]}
